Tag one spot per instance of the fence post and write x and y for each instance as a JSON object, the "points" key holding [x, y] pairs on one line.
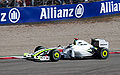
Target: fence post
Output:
{"points": [[32, 2], [24, 3], [52, 2]]}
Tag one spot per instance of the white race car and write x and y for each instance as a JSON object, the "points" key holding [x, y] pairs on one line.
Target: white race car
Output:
{"points": [[79, 49]]}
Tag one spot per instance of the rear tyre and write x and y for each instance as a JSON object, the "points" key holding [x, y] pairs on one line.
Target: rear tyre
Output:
{"points": [[103, 53], [55, 55], [38, 48]]}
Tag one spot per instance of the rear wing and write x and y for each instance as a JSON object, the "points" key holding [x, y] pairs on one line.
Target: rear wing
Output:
{"points": [[100, 43]]}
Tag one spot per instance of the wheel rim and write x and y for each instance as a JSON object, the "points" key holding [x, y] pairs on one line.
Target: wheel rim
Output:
{"points": [[104, 53], [56, 55]]}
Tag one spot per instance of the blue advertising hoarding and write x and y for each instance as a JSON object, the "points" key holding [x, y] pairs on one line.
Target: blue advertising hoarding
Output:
{"points": [[59, 12]]}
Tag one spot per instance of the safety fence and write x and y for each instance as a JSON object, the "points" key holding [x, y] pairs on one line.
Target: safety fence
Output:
{"points": [[58, 12]]}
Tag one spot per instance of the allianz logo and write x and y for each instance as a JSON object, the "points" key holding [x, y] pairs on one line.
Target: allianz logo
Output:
{"points": [[14, 15], [79, 11], [54, 12], [107, 7]]}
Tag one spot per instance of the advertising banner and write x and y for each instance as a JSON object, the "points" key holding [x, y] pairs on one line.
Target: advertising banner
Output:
{"points": [[58, 12]]}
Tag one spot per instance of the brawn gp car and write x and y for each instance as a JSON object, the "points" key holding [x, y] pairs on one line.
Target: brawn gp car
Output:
{"points": [[78, 49]]}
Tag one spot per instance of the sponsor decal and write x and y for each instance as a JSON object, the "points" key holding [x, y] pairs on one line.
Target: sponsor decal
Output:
{"points": [[44, 57], [3, 15], [79, 10], [14, 15], [107, 7], [103, 44], [54, 12]]}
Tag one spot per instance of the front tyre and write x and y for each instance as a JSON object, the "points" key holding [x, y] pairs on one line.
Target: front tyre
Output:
{"points": [[55, 55], [103, 53]]}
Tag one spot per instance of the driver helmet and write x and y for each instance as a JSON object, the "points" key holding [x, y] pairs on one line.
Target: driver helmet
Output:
{"points": [[75, 39]]}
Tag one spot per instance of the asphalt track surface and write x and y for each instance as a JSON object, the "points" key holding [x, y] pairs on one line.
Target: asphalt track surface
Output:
{"points": [[111, 66]]}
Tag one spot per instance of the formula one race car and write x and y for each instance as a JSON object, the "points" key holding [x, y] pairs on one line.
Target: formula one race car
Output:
{"points": [[79, 49], [45, 54]]}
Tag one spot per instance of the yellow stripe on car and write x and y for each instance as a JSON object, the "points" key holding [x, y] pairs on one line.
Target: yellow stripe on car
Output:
{"points": [[25, 54], [41, 52]]}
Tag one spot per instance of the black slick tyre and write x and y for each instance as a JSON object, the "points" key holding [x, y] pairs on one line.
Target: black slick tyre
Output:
{"points": [[55, 55], [103, 53]]}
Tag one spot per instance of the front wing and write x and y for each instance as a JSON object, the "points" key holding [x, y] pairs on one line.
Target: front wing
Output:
{"points": [[41, 58]]}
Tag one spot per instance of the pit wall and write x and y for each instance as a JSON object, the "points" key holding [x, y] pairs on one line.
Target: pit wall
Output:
{"points": [[59, 12]]}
